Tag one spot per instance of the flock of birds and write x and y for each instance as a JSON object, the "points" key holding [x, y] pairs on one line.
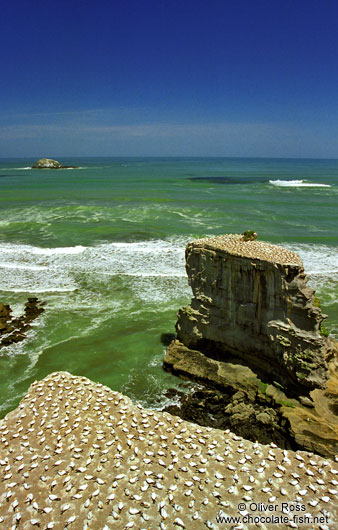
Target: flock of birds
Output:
{"points": [[237, 245], [76, 455]]}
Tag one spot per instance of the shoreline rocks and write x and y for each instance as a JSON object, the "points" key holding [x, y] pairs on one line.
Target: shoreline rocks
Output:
{"points": [[49, 163], [307, 423], [13, 330]]}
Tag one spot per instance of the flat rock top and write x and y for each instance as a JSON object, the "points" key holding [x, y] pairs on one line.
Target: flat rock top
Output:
{"points": [[75, 455], [234, 245]]}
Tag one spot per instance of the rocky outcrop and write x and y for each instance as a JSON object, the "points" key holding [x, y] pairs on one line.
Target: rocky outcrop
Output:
{"points": [[251, 301], [77, 455], [13, 329], [253, 331], [49, 163], [239, 400]]}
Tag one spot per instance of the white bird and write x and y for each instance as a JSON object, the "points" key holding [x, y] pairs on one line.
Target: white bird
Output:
{"points": [[70, 520]]}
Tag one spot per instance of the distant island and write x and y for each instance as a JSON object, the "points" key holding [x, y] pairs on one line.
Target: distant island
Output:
{"points": [[49, 163]]}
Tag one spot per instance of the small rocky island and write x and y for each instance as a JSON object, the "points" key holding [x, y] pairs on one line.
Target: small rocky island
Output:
{"points": [[253, 332], [49, 163]]}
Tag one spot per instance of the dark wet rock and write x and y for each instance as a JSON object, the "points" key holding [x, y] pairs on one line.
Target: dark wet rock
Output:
{"points": [[251, 416], [166, 338], [5, 311], [13, 330], [252, 408]]}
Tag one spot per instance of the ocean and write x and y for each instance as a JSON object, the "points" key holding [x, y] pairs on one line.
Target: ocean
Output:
{"points": [[103, 246]]}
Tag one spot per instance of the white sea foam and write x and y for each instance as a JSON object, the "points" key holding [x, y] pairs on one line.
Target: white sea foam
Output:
{"points": [[153, 270], [22, 266], [44, 290], [321, 267], [297, 184], [61, 250], [319, 260], [15, 168]]}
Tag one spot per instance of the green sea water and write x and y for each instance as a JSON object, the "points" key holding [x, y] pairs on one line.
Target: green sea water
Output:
{"points": [[103, 246]]}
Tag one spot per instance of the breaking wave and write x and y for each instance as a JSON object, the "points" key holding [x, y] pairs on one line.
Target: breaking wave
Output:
{"points": [[298, 184]]}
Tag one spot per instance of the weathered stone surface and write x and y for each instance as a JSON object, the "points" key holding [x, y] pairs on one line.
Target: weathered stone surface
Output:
{"points": [[306, 423], [49, 163], [251, 300], [14, 330], [77, 455]]}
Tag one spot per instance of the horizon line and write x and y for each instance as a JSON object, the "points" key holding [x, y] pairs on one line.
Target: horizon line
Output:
{"points": [[38, 157]]}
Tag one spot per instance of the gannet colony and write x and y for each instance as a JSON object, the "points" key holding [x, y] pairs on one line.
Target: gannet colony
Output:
{"points": [[77, 455]]}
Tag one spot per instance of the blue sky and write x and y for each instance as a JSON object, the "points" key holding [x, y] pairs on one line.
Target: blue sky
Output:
{"points": [[170, 78]]}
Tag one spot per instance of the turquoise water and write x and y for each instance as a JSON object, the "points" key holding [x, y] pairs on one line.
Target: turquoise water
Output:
{"points": [[103, 245]]}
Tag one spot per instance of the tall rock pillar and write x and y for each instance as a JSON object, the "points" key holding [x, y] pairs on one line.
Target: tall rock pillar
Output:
{"points": [[251, 301]]}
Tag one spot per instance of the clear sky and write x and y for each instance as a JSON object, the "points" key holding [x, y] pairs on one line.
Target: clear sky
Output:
{"points": [[169, 77]]}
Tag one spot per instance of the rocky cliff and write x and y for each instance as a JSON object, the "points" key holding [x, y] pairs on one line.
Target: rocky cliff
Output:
{"points": [[251, 301], [253, 337]]}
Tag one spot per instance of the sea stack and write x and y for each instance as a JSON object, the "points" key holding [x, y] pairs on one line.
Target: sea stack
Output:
{"points": [[251, 302]]}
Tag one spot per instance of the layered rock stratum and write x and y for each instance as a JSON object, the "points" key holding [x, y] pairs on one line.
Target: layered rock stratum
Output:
{"points": [[77, 455], [254, 327], [251, 300]]}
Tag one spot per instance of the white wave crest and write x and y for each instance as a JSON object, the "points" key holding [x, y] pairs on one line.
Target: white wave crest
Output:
{"points": [[297, 184], [61, 250], [15, 168]]}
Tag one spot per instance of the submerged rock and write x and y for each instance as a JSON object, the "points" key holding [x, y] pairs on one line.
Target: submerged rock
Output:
{"points": [[49, 163]]}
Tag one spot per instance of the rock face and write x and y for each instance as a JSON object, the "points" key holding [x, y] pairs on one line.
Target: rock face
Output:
{"points": [[239, 400], [14, 330], [252, 333], [48, 163], [251, 302], [77, 455]]}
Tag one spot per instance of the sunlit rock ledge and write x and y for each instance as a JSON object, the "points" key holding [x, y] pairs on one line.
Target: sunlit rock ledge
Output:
{"points": [[75, 454]]}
